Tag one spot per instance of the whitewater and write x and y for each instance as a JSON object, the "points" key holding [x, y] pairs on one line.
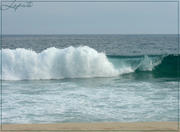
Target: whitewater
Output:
{"points": [[71, 62], [54, 63]]}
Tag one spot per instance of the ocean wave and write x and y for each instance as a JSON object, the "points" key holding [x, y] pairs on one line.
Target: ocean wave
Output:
{"points": [[169, 66], [161, 66], [157, 65], [80, 62], [53, 63]]}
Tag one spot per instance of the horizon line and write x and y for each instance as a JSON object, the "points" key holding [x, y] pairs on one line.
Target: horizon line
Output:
{"points": [[101, 34]]}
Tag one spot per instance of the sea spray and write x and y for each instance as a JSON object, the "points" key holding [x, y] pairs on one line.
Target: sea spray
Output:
{"points": [[53, 63], [148, 64]]}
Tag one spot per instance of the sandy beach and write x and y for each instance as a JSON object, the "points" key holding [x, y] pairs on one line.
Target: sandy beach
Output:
{"points": [[139, 126]]}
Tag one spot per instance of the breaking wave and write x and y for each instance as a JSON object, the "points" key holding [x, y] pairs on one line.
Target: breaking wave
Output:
{"points": [[157, 65], [53, 63], [78, 62]]}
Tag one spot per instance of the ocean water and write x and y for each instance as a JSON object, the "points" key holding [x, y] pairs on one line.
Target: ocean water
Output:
{"points": [[89, 78]]}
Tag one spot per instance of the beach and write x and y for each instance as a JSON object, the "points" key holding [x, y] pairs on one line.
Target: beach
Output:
{"points": [[108, 126]]}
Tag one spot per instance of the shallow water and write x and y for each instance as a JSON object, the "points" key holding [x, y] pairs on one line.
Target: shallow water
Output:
{"points": [[124, 99]]}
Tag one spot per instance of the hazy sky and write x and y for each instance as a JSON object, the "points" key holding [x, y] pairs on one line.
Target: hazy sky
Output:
{"points": [[92, 18]]}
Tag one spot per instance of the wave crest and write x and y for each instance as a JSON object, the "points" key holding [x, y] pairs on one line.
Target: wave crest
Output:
{"points": [[80, 62], [53, 63]]}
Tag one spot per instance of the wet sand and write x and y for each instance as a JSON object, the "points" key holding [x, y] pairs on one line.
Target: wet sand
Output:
{"points": [[110, 126]]}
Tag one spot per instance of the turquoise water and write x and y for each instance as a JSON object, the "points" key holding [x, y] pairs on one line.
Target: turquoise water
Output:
{"points": [[125, 99], [70, 82]]}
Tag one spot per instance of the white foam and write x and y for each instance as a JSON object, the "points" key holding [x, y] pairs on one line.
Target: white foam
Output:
{"points": [[53, 63]]}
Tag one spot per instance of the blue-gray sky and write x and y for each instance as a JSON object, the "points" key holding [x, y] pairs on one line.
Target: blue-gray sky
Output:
{"points": [[92, 18]]}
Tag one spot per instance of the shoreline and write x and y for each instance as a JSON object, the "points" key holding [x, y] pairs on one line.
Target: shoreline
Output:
{"points": [[105, 126]]}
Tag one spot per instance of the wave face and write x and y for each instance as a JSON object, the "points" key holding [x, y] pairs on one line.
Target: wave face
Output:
{"points": [[80, 62], [169, 67], [162, 66], [158, 66], [53, 63]]}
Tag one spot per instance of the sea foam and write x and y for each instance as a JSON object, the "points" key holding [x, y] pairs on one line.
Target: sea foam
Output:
{"points": [[54, 63]]}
